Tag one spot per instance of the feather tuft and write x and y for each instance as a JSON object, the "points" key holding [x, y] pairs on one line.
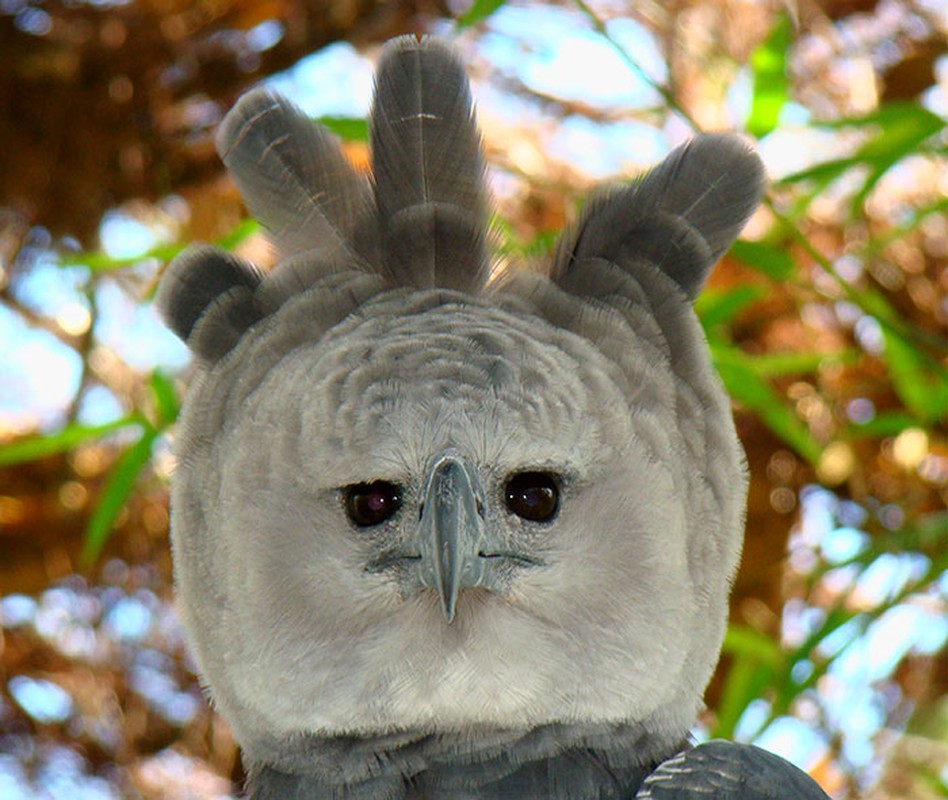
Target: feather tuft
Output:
{"points": [[293, 175], [679, 217], [429, 169]]}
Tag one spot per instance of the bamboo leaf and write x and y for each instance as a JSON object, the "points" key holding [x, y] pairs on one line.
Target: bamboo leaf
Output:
{"points": [[115, 494], [755, 660], [822, 173], [99, 261], [774, 262], [351, 129], [70, 437], [890, 114], [715, 307], [887, 423], [246, 228], [479, 10], [768, 64], [779, 364], [741, 640], [166, 399], [749, 388], [900, 130], [924, 390]]}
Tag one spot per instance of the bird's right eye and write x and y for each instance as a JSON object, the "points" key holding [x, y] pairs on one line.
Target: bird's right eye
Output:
{"points": [[370, 504]]}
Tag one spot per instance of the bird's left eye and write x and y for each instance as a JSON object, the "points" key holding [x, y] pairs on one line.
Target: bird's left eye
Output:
{"points": [[532, 495], [370, 504]]}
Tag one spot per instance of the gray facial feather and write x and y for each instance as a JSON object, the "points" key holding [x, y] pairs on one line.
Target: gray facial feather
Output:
{"points": [[375, 347]]}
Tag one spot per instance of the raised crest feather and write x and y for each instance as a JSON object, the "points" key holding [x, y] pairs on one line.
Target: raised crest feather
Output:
{"points": [[679, 217], [428, 168], [292, 175]]}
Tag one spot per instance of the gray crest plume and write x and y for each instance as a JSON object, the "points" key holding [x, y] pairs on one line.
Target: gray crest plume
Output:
{"points": [[429, 170], [293, 175], [445, 533]]}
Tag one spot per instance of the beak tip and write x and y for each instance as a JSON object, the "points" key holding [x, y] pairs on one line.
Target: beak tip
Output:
{"points": [[448, 608]]}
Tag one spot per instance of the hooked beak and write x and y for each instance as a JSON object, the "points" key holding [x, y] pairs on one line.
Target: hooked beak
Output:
{"points": [[452, 548], [452, 532]]}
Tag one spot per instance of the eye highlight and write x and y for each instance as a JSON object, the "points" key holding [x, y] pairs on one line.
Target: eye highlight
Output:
{"points": [[369, 504], [532, 496]]}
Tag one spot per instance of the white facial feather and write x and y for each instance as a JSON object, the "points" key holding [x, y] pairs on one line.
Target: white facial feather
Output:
{"points": [[610, 629]]}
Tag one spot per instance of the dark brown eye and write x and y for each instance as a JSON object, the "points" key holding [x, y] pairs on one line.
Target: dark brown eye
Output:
{"points": [[533, 496], [372, 503]]}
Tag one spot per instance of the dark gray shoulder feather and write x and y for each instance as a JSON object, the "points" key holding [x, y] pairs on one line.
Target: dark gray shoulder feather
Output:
{"points": [[720, 770]]}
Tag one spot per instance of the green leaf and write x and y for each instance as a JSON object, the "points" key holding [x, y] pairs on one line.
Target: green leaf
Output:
{"points": [[774, 262], [244, 229], [913, 218], [741, 640], [899, 131], [716, 307], [755, 661], [886, 423], [925, 536], [102, 262], [778, 364], [479, 10], [768, 64], [922, 386], [165, 395], [34, 447], [823, 173], [901, 136], [352, 129], [115, 494], [746, 386], [887, 116]]}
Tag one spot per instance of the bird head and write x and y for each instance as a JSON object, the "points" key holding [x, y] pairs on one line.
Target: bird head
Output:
{"points": [[418, 491]]}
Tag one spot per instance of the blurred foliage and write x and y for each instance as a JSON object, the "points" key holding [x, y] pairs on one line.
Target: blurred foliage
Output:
{"points": [[826, 321]]}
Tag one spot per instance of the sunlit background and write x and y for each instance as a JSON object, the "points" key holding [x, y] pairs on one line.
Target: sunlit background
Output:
{"points": [[827, 323]]}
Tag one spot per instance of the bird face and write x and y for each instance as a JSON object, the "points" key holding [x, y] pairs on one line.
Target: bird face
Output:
{"points": [[417, 495], [444, 535]]}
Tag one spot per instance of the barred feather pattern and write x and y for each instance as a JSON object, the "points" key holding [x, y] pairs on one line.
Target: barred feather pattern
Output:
{"points": [[678, 218], [293, 176], [720, 770], [428, 168]]}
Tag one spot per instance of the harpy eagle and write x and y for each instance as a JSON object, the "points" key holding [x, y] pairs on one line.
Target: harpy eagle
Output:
{"points": [[445, 529]]}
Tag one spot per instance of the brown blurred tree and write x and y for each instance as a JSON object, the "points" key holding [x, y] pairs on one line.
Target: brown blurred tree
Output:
{"points": [[102, 103]]}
